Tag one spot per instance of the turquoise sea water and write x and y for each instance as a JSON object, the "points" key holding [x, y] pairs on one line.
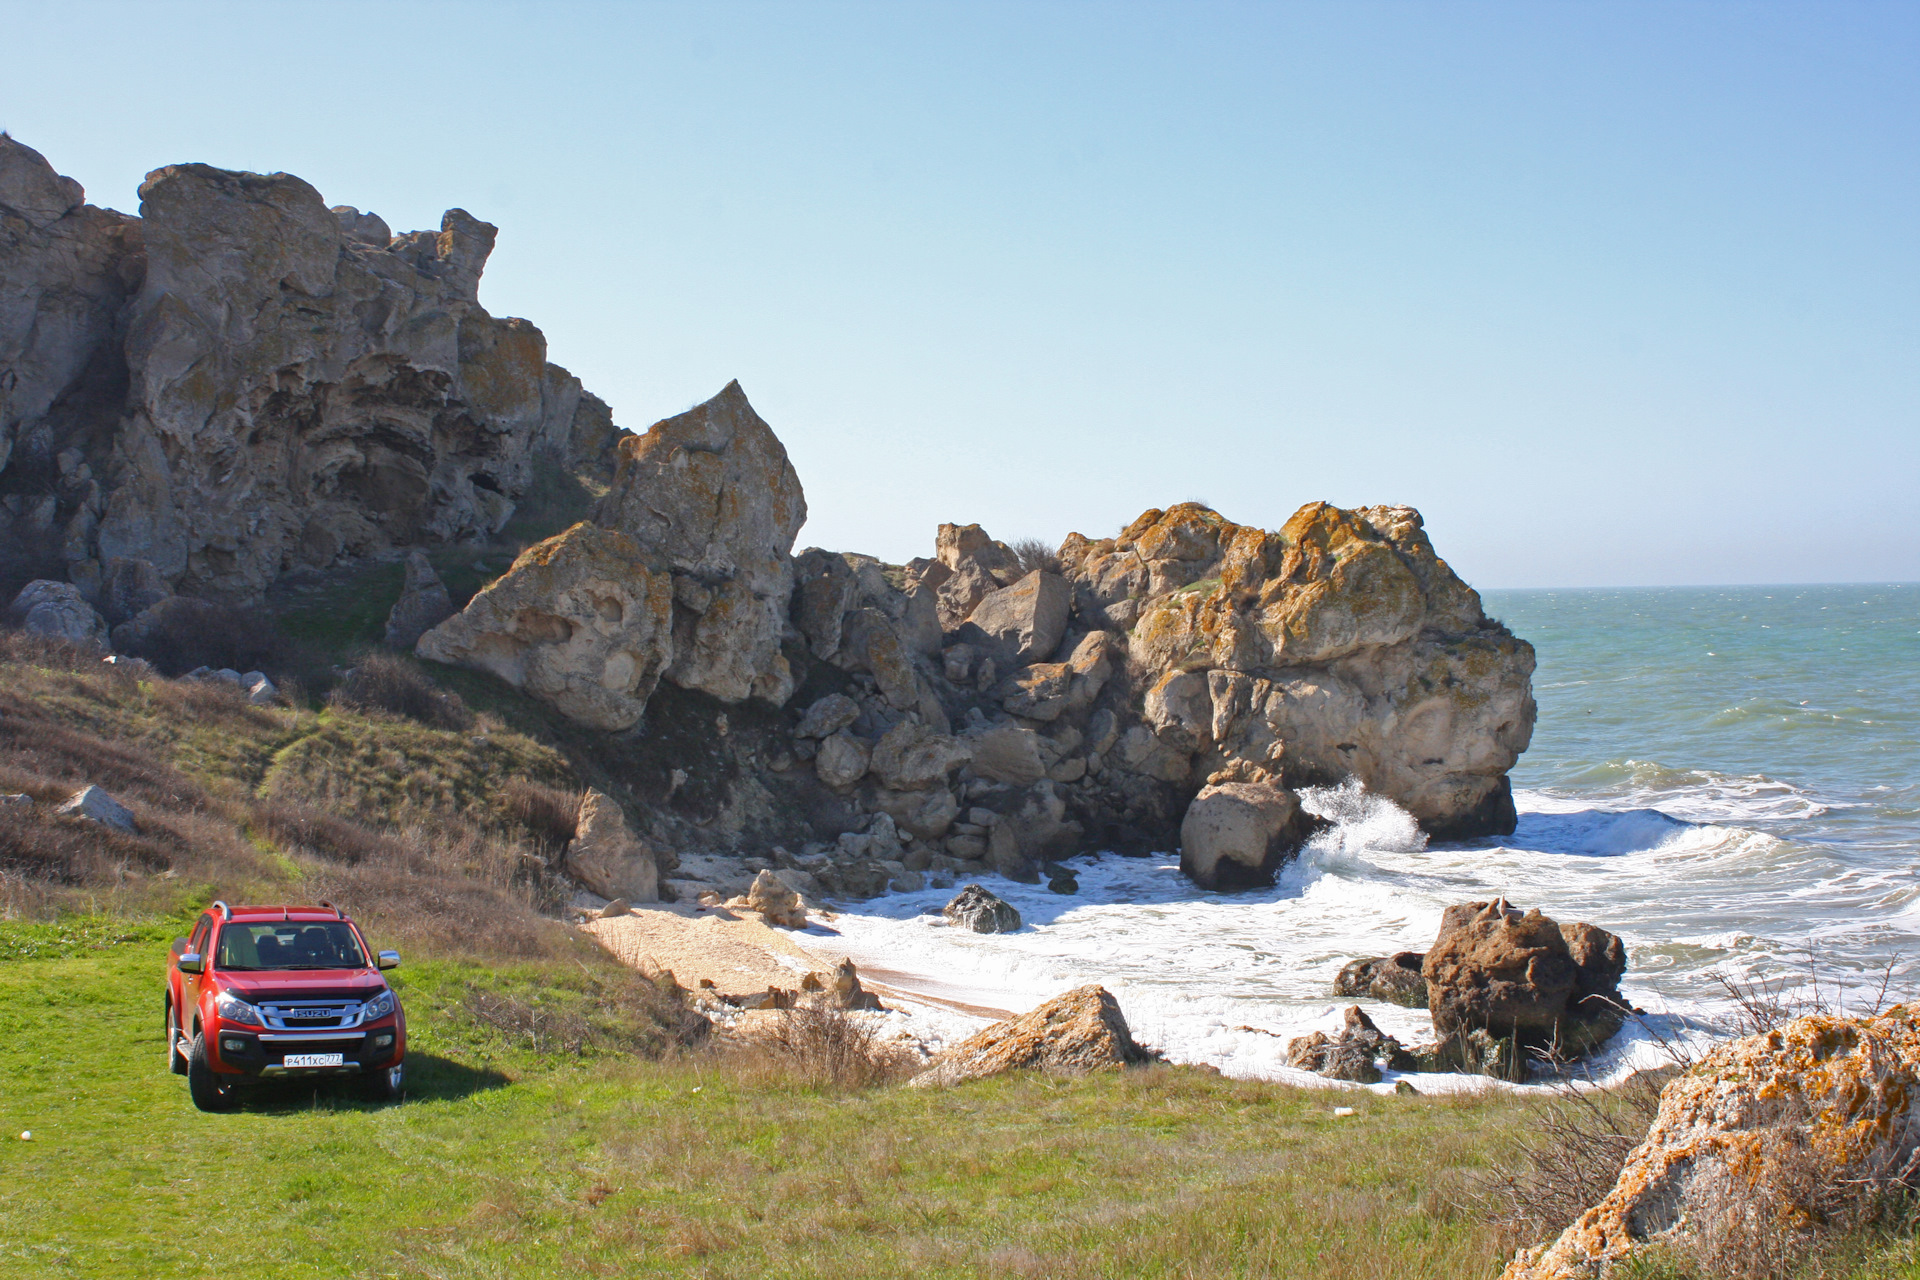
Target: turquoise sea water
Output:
{"points": [[1729, 778], [1784, 722]]}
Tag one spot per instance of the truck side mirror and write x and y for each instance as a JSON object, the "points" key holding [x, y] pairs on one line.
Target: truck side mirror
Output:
{"points": [[193, 962], [388, 960]]}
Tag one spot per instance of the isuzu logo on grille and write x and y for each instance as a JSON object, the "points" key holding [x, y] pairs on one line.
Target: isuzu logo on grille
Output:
{"points": [[314, 1013]]}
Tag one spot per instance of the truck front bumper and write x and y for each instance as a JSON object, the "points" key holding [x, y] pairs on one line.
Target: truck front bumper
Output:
{"points": [[263, 1053]]}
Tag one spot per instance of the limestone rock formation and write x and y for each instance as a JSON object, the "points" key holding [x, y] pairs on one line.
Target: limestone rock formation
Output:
{"points": [[1339, 646], [710, 493], [1071, 1034], [775, 902], [422, 606], [607, 857], [1514, 975], [1760, 1139], [242, 382], [579, 622]]}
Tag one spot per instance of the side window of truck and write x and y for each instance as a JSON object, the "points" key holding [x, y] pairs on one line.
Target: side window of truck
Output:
{"points": [[197, 941]]}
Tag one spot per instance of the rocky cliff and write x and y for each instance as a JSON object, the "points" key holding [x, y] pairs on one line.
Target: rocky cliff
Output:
{"points": [[242, 382]]}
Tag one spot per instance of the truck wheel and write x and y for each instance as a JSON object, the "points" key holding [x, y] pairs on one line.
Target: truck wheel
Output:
{"points": [[384, 1084], [176, 1061], [210, 1091]]}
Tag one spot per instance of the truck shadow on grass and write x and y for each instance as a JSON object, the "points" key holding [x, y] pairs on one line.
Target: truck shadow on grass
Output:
{"points": [[429, 1079]]}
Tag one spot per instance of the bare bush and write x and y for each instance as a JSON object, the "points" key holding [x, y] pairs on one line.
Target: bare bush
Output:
{"points": [[823, 1047], [327, 835], [1761, 1005], [1035, 555], [382, 682], [191, 633]]}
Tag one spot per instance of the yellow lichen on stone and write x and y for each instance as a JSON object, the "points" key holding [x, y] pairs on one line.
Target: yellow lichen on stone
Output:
{"points": [[1838, 1088]]}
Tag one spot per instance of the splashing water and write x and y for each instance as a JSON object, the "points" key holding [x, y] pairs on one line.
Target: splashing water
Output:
{"points": [[1360, 821], [1709, 841]]}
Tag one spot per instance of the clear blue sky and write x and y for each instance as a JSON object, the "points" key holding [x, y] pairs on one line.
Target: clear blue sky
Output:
{"points": [[1614, 293]]}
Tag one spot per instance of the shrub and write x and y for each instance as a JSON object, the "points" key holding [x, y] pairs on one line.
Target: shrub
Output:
{"points": [[548, 814], [383, 682], [191, 633], [1035, 555]]}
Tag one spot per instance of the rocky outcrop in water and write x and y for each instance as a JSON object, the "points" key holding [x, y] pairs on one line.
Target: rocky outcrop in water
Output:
{"points": [[242, 382], [1520, 976]]}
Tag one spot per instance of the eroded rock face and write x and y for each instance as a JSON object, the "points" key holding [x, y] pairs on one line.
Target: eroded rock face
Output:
{"points": [[1339, 646], [711, 493], [579, 622], [1755, 1140], [1072, 1034], [242, 381], [1395, 979]]}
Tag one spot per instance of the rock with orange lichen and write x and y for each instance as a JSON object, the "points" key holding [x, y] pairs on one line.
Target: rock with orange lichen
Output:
{"points": [[580, 621], [1072, 1034], [1337, 646], [1765, 1136]]}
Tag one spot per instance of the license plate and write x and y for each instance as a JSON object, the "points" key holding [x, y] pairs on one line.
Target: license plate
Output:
{"points": [[314, 1060]]}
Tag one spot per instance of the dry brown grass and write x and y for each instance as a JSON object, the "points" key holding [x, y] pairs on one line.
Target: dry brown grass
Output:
{"points": [[624, 1012], [818, 1047]]}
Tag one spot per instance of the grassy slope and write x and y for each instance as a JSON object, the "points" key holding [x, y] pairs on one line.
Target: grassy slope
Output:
{"points": [[504, 1163]]}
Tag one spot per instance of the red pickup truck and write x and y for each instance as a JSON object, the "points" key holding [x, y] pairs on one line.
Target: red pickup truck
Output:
{"points": [[277, 993]]}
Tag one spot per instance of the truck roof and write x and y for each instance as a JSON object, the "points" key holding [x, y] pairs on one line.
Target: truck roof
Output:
{"points": [[287, 913]]}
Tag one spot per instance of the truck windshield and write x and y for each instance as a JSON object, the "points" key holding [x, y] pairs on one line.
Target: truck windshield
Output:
{"points": [[294, 944]]}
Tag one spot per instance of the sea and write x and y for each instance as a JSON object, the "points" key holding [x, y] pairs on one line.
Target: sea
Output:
{"points": [[1726, 777]]}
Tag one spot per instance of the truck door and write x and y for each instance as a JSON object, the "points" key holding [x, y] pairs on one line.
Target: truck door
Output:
{"points": [[199, 941]]}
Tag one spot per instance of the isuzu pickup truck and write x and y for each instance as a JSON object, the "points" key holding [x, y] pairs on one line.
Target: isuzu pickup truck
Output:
{"points": [[278, 993]]}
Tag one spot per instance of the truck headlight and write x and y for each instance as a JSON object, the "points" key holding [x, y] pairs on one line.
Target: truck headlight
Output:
{"points": [[378, 1007], [234, 1009]]}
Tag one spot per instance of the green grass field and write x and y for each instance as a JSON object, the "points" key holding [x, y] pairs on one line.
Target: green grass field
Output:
{"points": [[504, 1162]]}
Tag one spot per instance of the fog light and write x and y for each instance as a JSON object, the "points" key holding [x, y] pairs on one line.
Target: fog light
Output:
{"points": [[234, 1046], [382, 1041]]}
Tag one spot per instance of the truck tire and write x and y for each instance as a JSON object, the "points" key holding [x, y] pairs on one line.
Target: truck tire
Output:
{"points": [[176, 1061], [384, 1084], [210, 1091]]}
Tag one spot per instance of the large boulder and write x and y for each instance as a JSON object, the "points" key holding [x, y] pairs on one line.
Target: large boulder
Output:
{"points": [[1513, 974], [579, 622], [1755, 1147], [57, 609], [1022, 623], [94, 805], [607, 857], [911, 757], [1235, 834], [1071, 1034], [978, 909], [841, 760], [423, 604], [711, 494]]}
